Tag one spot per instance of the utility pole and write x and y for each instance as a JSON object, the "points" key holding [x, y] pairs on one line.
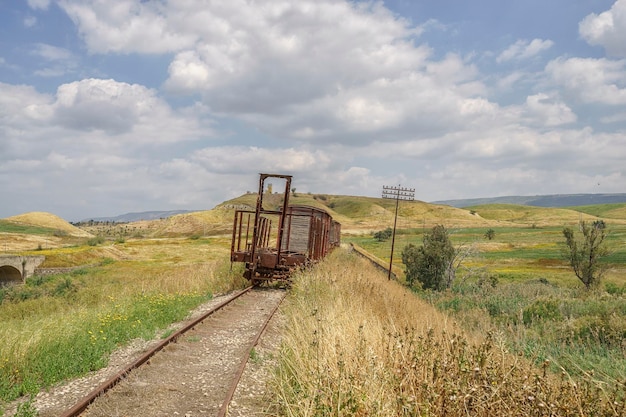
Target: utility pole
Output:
{"points": [[398, 193]]}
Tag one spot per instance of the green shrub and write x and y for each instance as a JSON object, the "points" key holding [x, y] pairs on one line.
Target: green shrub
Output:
{"points": [[541, 310], [615, 289], [593, 331], [95, 241], [79, 272], [64, 287], [383, 235], [38, 280], [107, 261], [431, 264]]}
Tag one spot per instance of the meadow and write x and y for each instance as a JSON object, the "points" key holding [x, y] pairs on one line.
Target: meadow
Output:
{"points": [[519, 285], [358, 344], [64, 325], [516, 334]]}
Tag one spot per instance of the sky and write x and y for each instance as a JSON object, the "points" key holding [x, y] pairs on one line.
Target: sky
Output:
{"points": [[116, 106]]}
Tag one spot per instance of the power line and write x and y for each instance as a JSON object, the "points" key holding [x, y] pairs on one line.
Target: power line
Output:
{"points": [[398, 193]]}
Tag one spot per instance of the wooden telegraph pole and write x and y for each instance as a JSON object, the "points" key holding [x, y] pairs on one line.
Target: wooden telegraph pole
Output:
{"points": [[398, 193]]}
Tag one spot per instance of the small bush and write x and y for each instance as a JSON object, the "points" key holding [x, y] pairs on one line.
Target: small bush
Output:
{"points": [[542, 310], [107, 261], [615, 289], [383, 235], [95, 241], [37, 280], [64, 287]]}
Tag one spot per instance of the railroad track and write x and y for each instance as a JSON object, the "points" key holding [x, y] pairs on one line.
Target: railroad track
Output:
{"points": [[195, 371]]}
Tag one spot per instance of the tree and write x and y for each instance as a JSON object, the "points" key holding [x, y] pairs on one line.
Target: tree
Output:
{"points": [[584, 254], [383, 235], [490, 234], [433, 264]]}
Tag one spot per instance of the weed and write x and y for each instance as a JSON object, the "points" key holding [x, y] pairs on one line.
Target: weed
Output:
{"points": [[254, 356], [107, 261], [64, 287], [167, 333], [26, 409]]}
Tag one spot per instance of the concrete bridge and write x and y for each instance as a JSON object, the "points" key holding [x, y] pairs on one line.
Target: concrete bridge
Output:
{"points": [[15, 269]]}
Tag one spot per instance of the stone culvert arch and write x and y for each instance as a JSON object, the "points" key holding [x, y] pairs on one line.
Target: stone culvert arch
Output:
{"points": [[9, 274], [15, 269]]}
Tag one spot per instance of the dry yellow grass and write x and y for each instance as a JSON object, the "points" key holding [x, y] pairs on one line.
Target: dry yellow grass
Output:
{"points": [[19, 242], [38, 218], [538, 216], [357, 344], [211, 222]]}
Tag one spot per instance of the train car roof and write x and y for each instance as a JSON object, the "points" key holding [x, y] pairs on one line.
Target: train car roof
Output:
{"points": [[306, 207]]}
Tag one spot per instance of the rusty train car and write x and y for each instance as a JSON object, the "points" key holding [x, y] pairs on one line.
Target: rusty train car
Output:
{"points": [[276, 237]]}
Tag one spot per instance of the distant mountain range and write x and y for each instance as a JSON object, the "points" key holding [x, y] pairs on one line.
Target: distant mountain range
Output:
{"points": [[135, 217], [555, 200]]}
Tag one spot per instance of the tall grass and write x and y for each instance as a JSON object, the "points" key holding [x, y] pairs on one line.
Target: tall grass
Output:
{"points": [[577, 330], [357, 344]]}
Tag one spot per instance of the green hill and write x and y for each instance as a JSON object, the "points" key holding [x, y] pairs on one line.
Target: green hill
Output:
{"points": [[529, 215], [365, 214], [358, 215], [607, 211]]}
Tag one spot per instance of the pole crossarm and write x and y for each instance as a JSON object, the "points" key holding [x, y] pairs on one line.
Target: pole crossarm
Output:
{"points": [[398, 193]]}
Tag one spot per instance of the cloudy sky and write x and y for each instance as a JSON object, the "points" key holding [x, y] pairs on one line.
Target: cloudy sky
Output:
{"points": [[116, 106]]}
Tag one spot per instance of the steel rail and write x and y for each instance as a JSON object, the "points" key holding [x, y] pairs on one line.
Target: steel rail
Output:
{"points": [[242, 366], [84, 402]]}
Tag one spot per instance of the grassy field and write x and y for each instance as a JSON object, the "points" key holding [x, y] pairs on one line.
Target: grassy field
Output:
{"points": [[513, 294], [64, 325], [519, 283], [357, 344]]}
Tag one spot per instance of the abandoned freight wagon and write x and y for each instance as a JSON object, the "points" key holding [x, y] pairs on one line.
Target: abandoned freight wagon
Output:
{"points": [[274, 240]]}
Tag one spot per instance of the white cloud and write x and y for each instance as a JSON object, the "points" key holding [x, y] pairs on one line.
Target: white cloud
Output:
{"points": [[132, 112], [51, 52], [112, 117], [39, 4], [546, 111], [607, 29], [58, 61], [231, 160], [290, 69], [107, 105], [523, 49], [590, 80], [126, 26], [30, 21]]}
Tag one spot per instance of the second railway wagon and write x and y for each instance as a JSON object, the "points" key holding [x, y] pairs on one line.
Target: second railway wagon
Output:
{"points": [[273, 241]]}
